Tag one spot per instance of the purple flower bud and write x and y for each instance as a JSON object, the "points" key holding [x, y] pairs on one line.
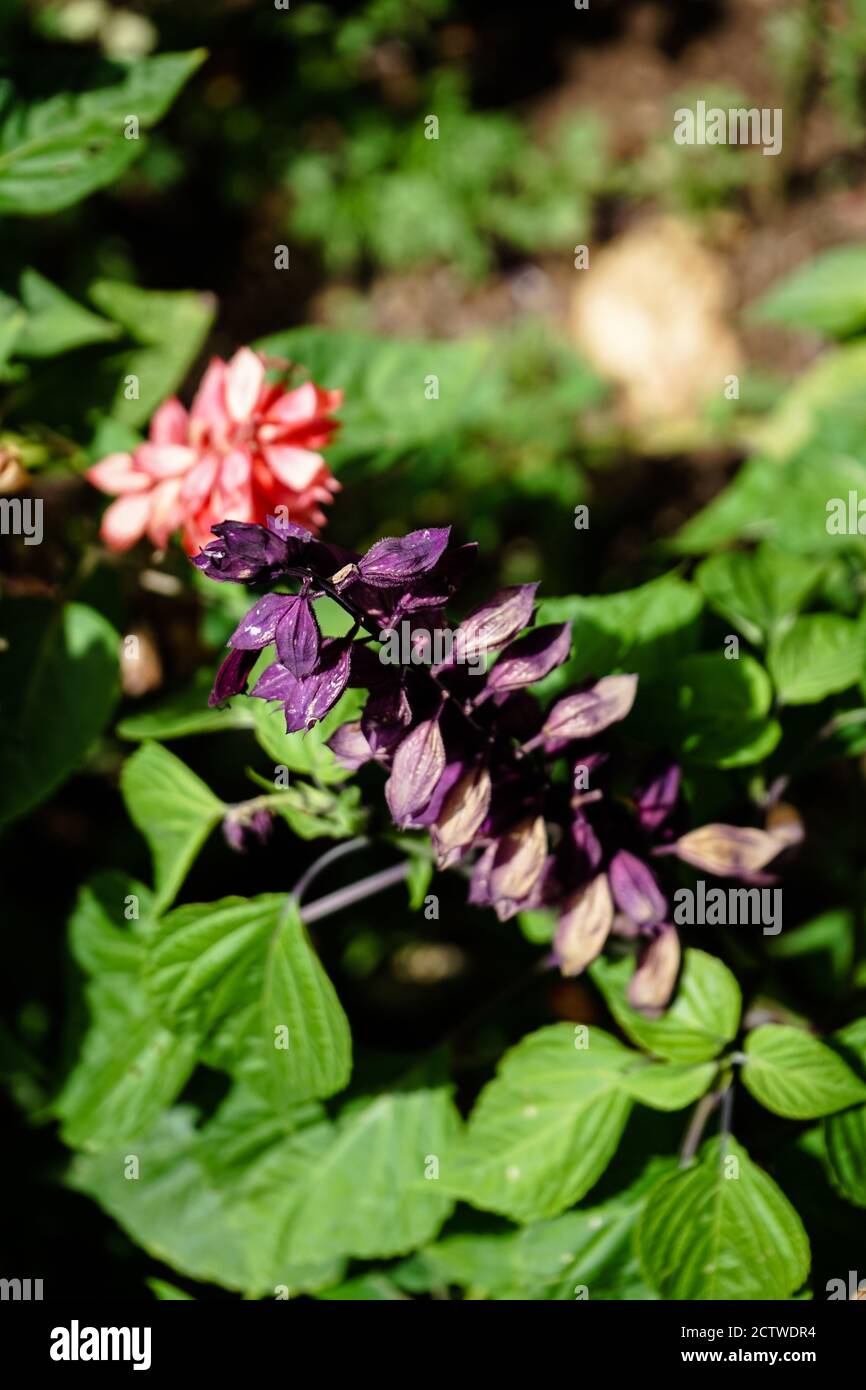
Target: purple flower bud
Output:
{"points": [[387, 716], [462, 816], [529, 659], [586, 841], [418, 764], [588, 712], [308, 700], [657, 799], [521, 854], [245, 553], [231, 678], [493, 624], [298, 638], [391, 562], [652, 984], [350, 747], [584, 925], [636, 892], [730, 851], [239, 828]]}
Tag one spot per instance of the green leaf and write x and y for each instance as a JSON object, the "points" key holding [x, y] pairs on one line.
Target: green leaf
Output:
{"points": [[130, 1066], [669, 1085], [702, 1019], [190, 1211], [205, 957], [300, 1007], [174, 810], [58, 687], [756, 591], [821, 654], [826, 294], [255, 1201], [55, 323], [187, 713], [845, 1134], [305, 752], [366, 1288], [712, 710], [795, 1075], [169, 327], [640, 629], [543, 1131], [312, 812], [722, 1229], [547, 1260], [54, 153], [165, 1292]]}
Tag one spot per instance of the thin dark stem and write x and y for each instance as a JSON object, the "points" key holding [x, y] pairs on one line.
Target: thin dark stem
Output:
{"points": [[324, 861], [702, 1112]]}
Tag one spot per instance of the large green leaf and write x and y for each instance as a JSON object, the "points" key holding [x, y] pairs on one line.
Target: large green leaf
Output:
{"points": [[206, 959], [187, 1209], [793, 1074], [543, 1131], [58, 686], [820, 654], [826, 294], [247, 967], [640, 629], [55, 152], [169, 328], [702, 1019], [174, 810], [722, 1229], [255, 1201], [131, 1065], [300, 1005], [758, 590], [187, 712]]}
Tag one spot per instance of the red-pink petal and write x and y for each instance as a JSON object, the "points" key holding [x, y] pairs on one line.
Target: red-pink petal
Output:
{"points": [[117, 474], [245, 377], [165, 460], [169, 423], [294, 468], [125, 520]]}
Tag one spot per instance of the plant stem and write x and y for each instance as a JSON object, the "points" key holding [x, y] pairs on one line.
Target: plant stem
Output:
{"points": [[702, 1112], [324, 861], [355, 892]]}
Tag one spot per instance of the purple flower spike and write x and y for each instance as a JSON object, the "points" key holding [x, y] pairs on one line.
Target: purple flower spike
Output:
{"points": [[391, 562], [461, 817], [232, 676], [298, 638], [529, 659], [636, 892], [418, 764], [589, 712], [517, 865]]}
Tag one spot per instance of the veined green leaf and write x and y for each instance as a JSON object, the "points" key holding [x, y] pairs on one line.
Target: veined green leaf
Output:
{"points": [[795, 1075], [702, 1019], [174, 810], [722, 1229]]}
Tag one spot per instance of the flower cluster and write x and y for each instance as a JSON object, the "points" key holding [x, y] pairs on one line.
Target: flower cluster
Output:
{"points": [[246, 448], [537, 802]]}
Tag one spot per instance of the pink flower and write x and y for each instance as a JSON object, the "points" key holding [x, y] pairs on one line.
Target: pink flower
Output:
{"points": [[243, 450]]}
